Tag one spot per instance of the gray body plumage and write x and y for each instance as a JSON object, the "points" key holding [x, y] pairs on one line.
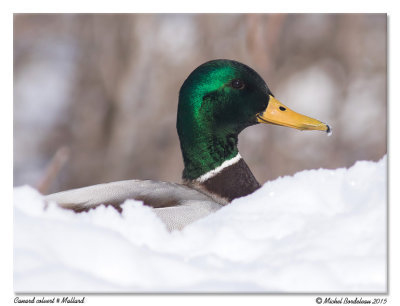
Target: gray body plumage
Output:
{"points": [[176, 205]]}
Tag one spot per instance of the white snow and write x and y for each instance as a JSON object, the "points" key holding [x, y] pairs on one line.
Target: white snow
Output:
{"points": [[317, 231]]}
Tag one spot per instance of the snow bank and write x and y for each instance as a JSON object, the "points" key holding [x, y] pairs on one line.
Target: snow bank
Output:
{"points": [[317, 231]]}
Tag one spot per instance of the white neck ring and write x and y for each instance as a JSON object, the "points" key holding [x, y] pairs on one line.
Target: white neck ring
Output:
{"points": [[217, 170]]}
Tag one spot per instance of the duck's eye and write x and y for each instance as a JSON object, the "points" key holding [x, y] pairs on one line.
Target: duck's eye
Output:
{"points": [[237, 84]]}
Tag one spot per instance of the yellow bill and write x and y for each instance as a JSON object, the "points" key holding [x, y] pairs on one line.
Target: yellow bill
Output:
{"points": [[279, 114]]}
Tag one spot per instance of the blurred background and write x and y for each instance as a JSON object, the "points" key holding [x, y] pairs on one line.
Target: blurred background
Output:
{"points": [[95, 95]]}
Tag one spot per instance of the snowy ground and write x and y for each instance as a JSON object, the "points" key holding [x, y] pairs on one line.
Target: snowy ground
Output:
{"points": [[316, 231]]}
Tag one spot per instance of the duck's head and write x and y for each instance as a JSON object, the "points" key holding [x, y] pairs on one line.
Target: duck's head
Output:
{"points": [[216, 102]]}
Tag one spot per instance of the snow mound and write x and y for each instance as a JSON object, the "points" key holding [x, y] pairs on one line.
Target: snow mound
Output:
{"points": [[317, 231]]}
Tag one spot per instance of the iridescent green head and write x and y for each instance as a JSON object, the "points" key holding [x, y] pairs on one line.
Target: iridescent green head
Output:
{"points": [[216, 102]]}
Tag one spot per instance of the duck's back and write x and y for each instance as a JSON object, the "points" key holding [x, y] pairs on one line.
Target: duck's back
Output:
{"points": [[176, 205]]}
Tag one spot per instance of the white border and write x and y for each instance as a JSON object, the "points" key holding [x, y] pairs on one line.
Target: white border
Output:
{"points": [[305, 6]]}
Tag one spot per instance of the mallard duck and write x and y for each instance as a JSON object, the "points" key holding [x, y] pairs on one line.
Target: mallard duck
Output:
{"points": [[217, 101]]}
